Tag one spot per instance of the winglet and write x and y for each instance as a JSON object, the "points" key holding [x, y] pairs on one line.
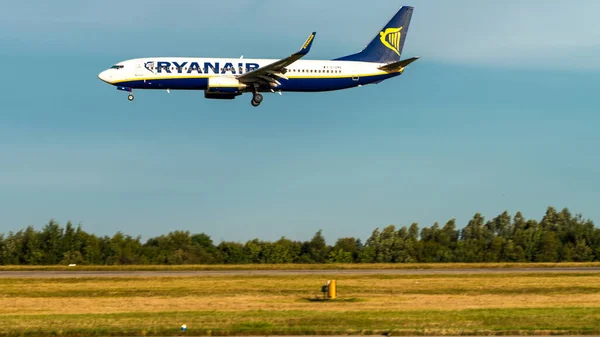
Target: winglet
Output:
{"points": [[306, 47]]}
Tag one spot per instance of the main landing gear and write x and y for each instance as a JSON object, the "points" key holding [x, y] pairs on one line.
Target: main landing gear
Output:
{"points": [[256, 99], [130, 97]]}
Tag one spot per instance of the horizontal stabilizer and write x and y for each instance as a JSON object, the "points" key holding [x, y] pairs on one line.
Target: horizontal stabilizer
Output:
{"points": [[398, 66]]}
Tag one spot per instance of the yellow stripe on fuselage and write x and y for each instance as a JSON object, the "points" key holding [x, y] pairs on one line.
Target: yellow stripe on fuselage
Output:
{"points": [[135, 79]]}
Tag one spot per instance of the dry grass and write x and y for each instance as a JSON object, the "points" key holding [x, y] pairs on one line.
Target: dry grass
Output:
{"points": [[404, 304], [367, 286], [52, 306], [466, 322], [374, 266]]}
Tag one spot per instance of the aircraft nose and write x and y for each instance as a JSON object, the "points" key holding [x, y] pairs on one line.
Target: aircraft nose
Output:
{"points": [[105, 76]]}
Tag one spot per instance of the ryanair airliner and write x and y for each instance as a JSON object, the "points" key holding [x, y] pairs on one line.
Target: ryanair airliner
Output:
{"points": [[229, 78]]}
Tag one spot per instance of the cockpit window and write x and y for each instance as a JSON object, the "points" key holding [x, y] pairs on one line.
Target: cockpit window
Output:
{"points": [[117, 67]]}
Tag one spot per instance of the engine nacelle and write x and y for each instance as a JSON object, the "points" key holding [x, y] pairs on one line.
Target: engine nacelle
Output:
{"points": [[224, 88]]}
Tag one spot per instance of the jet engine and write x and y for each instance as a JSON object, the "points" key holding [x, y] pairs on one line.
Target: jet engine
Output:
{"points": [[224, 88]]}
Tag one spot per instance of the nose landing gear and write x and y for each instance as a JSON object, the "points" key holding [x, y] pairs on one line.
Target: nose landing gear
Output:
{"points": [[129, 90]]}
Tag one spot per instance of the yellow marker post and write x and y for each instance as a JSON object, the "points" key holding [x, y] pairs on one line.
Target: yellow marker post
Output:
{"points": [[332, 291]]}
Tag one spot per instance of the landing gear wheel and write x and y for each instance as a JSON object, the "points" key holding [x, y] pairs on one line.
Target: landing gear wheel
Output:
{"points": [[130, 97], [257, 98], [255, 103]]}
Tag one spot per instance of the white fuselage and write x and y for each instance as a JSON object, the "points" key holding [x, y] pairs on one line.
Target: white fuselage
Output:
{"points": [[194, 73]]}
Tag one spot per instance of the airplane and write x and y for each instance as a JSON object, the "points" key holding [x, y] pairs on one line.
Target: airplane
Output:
{"points": [[227, 78]]}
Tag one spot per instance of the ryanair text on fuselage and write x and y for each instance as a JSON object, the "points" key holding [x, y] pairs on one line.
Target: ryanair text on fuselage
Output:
{"points": [[159, 67]]}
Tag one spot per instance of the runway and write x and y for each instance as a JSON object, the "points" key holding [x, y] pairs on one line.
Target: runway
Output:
{"points": [[332, 272]]}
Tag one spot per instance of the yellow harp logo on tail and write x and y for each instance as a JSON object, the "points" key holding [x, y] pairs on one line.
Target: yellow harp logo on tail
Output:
{"points": [[391, 39]]}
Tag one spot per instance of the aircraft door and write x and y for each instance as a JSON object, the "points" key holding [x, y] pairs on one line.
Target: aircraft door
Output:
{"points": [[139, 70], [356, 76]]}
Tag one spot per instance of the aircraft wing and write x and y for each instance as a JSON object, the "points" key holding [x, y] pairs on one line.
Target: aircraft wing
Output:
{"points": [[270, 74]]}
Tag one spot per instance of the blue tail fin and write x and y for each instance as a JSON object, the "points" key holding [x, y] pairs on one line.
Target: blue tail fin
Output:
{"points": [[387, 45]]}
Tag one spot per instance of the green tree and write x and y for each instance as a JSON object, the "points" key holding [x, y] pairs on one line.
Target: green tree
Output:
{"points": [[205, 250], [340, 256], [287, 251], [559, 236], [348, 245], [253, 250], [233, 253], [316, 249], [52, 243], [372, 247], [388, 244], [68, 239], [92, 250], [3, 251], [33, 252], [474, 240], [72, 257], [123, 250], [512, 252], [582, 252], [549, 246]]}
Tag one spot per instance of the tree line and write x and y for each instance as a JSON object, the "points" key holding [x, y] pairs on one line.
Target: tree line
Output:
{"points": [[557, 237]]}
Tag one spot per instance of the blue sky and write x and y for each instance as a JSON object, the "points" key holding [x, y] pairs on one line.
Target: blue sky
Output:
{"points": [[499, 114]]}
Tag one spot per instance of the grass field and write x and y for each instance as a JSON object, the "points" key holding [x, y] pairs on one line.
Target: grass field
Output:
{"points": [[490, 304]]}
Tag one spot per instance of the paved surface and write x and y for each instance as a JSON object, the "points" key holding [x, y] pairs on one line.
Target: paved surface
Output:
{"points": [[75, 273]]}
